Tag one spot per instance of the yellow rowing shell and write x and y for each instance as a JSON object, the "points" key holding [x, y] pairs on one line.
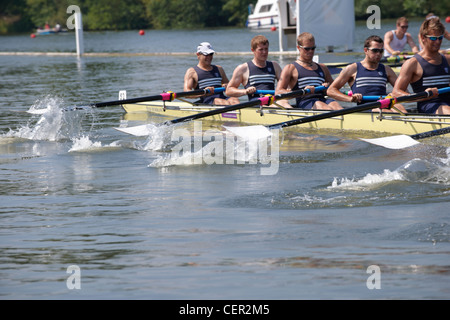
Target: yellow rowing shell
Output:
{"points": [[387, 122]]}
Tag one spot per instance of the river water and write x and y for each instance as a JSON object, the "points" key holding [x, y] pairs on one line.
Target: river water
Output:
{"points": [[83, 204]]}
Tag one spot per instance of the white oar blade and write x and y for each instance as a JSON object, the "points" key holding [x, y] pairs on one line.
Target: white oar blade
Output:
{"points": [[394, 142], [138, 131], [37, 111], [250, 132]]}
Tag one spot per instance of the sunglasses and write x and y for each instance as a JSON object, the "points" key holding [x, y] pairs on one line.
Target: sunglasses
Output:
{"points": [[434, 38], [375, 50], [307, 48], [404, 27]]}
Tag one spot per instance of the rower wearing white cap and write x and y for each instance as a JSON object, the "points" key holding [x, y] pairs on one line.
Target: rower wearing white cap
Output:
{"points": [[205, 75]]}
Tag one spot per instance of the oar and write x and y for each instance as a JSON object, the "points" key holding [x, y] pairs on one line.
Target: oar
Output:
{"points": [[404, 141], [365, 98], [264, 131], [165, 96], [143, 130], [265, 92]]}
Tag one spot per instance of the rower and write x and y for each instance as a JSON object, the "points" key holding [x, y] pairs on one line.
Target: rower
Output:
{"points": [[396, 40], [207, 76], [257, 74], [305, 73], [428, 70], [368, 77]]}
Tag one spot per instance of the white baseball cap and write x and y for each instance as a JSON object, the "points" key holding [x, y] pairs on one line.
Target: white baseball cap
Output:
{"points": [[205, 48]]}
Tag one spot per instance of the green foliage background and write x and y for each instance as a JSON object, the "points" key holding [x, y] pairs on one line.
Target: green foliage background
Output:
{"points": [[26, 15]]}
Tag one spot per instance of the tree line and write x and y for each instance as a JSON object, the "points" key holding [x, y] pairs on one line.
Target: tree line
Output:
{"points": [[26, 15]]}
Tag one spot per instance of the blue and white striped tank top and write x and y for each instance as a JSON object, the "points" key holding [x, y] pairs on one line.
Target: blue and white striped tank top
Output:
{"points": [[433, 76], [370, 82], [261, 78], [308, 78], [210, 78]]}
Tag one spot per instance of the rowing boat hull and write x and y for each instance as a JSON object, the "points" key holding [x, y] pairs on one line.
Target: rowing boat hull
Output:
{"points": [[392, 123]]}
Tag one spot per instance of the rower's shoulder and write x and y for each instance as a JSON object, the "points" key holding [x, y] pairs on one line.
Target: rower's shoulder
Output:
{"points": [[411, 61], [351, 68], [289, 66], [389, 34], [190, 70], [411, 67], [241, 68]]}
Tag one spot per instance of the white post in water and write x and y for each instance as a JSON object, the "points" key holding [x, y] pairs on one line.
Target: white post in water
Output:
{"points": [[79, 33], [78, 25]]}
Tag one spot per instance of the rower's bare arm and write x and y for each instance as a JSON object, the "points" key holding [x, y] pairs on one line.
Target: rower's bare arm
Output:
{"points": [[284, 84], [391, 76], [411, 43], [190, 79], [236, 80], [328, 78], [344, 77], [225, 80], [387, 42], [277, 70], [408, 73]]}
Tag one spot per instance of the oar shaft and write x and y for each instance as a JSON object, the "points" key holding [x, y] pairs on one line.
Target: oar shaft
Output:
{"points": [[265, 92], [432, 133], [214, 112], [365, 98], [165, 96]]}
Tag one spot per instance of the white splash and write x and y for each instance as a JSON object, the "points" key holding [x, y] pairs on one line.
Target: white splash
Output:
{"points": [[51, 122], [47, 126], [220, 148], [84, 143], [434, 170], [370, 180], [185, 159], [159, 137]]}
